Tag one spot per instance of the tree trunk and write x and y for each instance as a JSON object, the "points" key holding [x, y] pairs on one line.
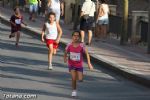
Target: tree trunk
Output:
{"points": [[148, 48], [124, 32], [76, 18]]}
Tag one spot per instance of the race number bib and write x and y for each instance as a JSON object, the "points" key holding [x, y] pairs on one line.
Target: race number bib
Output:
{"points": [[75, 56], [18, 21]]}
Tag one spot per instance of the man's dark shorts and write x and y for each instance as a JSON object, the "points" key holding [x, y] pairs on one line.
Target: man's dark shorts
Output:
{"points": [[86, 24]]}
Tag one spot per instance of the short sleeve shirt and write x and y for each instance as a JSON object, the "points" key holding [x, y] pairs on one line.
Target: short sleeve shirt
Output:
{"points": [[88, 7], [33, 1], [75, 55], [17, 21]]}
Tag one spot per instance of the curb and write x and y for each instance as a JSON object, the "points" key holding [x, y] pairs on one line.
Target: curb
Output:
{"points": [[107, 65]]}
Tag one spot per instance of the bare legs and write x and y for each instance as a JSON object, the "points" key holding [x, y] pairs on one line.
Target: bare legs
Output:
{"points": [[89, 36], [17, 34], [101, 31], [51, 51], [82, 35], [32, 16], [76, 75]]}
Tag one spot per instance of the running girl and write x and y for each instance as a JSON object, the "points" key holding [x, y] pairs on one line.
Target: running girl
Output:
{"points": [[75, 51]]}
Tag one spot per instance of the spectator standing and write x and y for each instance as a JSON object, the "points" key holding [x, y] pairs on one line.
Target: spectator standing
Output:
{"points": [[56, 6], [88, 8], [102, 19], [22, 4], [43, 7], [33, 8]]}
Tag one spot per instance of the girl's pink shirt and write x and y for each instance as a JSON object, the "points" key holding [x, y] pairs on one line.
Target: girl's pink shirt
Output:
{"points": [[75, 58]]}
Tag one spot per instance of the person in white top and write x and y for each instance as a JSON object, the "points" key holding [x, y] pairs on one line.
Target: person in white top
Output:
{"points": [[51, 34], [56, 6], [103, 19], [88, 8]]}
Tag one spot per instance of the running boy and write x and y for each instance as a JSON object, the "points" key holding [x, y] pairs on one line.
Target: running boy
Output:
{"points": [[75, 51], [52, 32], [16, 20]]}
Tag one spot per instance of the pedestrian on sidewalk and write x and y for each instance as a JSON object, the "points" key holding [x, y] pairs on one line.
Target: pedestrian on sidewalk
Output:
{"points": [[43, 7], [56, 6], [16, 20], [33, 8], [87, 19], [40, 7], [74, 54], [51, 34], [102, 20], [22, 4]]}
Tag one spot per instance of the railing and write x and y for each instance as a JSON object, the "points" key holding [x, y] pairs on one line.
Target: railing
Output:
{"points": [[144, 31], [115, 25]]}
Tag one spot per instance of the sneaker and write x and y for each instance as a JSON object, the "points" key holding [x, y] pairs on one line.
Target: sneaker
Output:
{"points": [[74, 93], [10, 36], [50, 67]]}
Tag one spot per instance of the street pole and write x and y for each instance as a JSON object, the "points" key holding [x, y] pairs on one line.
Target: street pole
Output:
{"points": [[148, 50], [96, 14], [124, 32], [76, 18]]}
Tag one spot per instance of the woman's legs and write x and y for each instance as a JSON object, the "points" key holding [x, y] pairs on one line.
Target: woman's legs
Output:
{"points": [[97, 31], [82, 35], [33, 9], [90, 34], [104, 31]]}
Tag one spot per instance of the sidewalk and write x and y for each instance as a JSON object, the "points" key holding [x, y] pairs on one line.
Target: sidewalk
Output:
{"points": [[129, 61]]}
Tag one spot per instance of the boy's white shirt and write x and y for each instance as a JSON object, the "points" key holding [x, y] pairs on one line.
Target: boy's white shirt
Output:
{"points": [[51, 31]]}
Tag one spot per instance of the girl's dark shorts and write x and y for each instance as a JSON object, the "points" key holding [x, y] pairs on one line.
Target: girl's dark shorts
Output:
{"points": [[80, 69]]}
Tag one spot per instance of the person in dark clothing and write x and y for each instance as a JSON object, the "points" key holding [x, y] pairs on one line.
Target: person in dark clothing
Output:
{"points": [[16, 20]]}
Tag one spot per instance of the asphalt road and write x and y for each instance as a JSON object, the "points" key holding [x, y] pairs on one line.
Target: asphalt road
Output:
{"points": [[24, 74]]}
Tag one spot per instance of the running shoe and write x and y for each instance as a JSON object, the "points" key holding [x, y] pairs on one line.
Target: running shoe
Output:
{"points": [[50, 67], [74, 93]]}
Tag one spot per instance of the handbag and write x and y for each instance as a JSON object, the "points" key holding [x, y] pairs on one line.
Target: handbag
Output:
{"points": [[86, 16]]}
